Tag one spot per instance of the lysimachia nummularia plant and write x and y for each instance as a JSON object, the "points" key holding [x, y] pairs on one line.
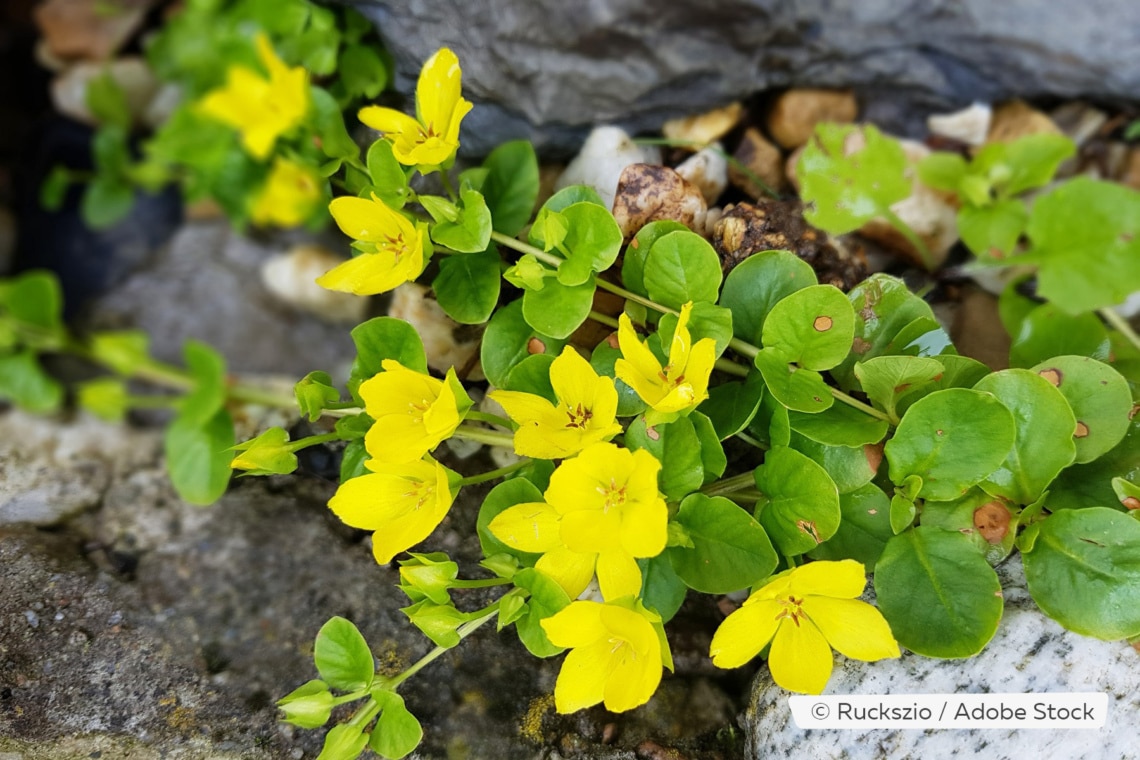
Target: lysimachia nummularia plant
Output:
{"points": [[877, 449]]}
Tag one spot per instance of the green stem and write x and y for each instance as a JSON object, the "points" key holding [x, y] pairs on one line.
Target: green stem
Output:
{"points": [[484, 583], [604, 319], [251, 394], [907, 232], [482, 435], [1121, 325], [729, 485], [865, 408], [751, 441], [747, 496], [464, 631], [152, 402], [448, 187], [312, 440], [495, 474], [731, 367], [491, 419]]}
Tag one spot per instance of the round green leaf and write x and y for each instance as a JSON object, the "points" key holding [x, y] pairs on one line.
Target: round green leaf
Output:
{"points": [[1100, 399], [730, 550], [706, 320], [848, 466], [1046, 331], [864, 529], [467, 286], [677, 447], [1043, 444], [558, 310], [471, 232], [713, 459], [511, 185], [952, 439], [798, 389], [1084, 572], [757, 284], [532, 375], [633, 263], [802, 508], [508, 340], [386, 338], [940, 596], [24, 383], [593, 241], [198, 457], [603, 360], [992, 231], [682, 267], [397, 732], [957, 372], [732, 405], [662, 590], [342, 656], [885, 379], [840, 425], [1090, 485], [812, 327], [546, 599]]}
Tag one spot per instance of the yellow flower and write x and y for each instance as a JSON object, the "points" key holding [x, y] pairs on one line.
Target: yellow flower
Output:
{"points": [[616, 655], [681, 384], [602, 512], [403, 504], [396, 246], [261, 109], [289, 195], [433, 136], [585, 414], [412, 412], [804, 613]]}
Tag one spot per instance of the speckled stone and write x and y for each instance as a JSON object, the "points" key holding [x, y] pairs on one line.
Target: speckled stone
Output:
{"points": [[1030, 654]]}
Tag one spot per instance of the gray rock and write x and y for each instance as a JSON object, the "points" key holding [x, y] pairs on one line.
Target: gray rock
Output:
{"points": [[1030, 654], [548, 70], [206, 284]]}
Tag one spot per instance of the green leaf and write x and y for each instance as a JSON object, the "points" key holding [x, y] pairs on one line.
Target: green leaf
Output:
{"points": [[314, 392], [198, 457], [952, 439], [848, 187], [342, 656], [384, 338], [1025, 163], [802, 510], [501, 498], [1084, 572], [328, 122], [979, 516], [362, 71], [706, 320], [546, 599], [107, 101], [1090, 485], [511, 186], [730, 549], [801, 390], [591, 244], [53, 191], [940, 596], [992, 231], [848, 466], [885, 379], [813, 327], [840, 425], [1100, 399], [682, 267], [568, 196], [732, 405], [532, 375], [863, 530], [352, 461], [603, 360], [957, 372], [903, 511], [1086, 242], [633, 263], [558, 310], [757, 284], [343, 742], [1046, 331], [207, 369], [883, 306], [389, 182], [1043, 445], [942, 171], [307, 706], [467, 286], [34, 300], [24, 383], [677, 447], [397, 732], [713, 460], [662, 590], [471, 231], [508, 340], [771, 425], [107, 200]]}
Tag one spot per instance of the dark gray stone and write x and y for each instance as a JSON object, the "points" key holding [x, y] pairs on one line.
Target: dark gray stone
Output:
{"points": [[547, 69]]}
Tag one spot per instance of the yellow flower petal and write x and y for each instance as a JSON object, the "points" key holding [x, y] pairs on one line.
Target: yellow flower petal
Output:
{"points": [[438, 90], [633, 680], [853, 628], [577, 625], [366, 274], [644, 527], [699, 367], [530, 527], [800, 659], [571, 570], [591, 530], [388, 120], [582, 681], [618, 575], [573, 379], [744, 633], [844, 579], [289, 195]]}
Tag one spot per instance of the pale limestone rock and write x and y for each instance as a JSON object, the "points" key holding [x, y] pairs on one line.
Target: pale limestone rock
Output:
{"points": [[706, 127], [970, 125], [707, 169], [438, 331], [292, 278], [133, 75], [604, 156], [796, 113]]}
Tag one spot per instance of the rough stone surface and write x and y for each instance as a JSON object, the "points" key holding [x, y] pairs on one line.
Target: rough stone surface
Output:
{"points": [[206, 284], [1029, 654], [547, 70]]}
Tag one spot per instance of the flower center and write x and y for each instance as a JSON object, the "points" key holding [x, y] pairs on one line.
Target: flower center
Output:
{"points": [[418, 410], [580, 417], [791, 609], [420, 493], [614, 497], [621, 648]]}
